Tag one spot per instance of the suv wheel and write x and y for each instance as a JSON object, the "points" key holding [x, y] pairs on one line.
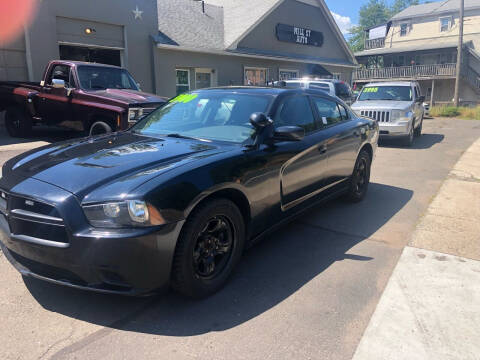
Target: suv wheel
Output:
{"points": [[17, 122], [210, 245], [418, 130], [408, 140]]}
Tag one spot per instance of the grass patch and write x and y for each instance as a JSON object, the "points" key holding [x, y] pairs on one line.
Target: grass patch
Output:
{"points": [[470, 113]]}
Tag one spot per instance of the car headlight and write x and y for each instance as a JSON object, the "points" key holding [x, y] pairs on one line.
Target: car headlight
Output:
{"points": [[123, 214], [134, 114], [401, 115]]}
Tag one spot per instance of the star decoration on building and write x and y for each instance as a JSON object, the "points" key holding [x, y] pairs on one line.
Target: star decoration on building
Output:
{"points": [[137, 13]]}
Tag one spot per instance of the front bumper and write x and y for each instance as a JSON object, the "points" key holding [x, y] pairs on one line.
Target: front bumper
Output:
{"points": [[400, 128], [124, 261]]}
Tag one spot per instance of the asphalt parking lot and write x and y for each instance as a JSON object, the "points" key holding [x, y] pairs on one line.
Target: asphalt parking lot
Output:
{"points": [[306, 292]]}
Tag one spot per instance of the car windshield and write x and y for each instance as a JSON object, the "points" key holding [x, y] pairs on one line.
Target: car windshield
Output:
{"points": [[398, 93], [102, 77], [207, 115]]}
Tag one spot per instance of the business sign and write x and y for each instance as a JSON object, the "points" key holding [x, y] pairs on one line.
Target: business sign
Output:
{"points": [[298, 35], [378, 32]]}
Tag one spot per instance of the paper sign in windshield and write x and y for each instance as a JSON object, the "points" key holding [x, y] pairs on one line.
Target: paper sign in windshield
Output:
{"points": [[184, 98], [370, 90]]}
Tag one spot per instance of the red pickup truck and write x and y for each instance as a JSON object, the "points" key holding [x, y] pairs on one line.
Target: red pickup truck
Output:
{"points": [[92, 98]]}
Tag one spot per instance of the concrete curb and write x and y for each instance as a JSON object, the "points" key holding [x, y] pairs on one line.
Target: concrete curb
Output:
{"points": [[430, 308]]}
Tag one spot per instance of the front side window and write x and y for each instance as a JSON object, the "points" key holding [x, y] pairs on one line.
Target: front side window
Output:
{"points": [[207, 115], [445, 24], [398, 93], [100, 78], [328, 111], [183, 81], [295, 111]]}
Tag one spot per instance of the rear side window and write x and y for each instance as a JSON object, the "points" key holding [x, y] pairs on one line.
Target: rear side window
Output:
{"points": [[295, 111], [329, 111]]}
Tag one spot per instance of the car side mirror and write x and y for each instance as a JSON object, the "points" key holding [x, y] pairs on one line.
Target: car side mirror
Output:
{"points": [[58, 84], [260, 120], [289, 133]]}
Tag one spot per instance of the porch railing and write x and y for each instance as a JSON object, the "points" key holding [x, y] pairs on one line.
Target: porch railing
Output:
{"points": [[374, 43], [406, 72]]}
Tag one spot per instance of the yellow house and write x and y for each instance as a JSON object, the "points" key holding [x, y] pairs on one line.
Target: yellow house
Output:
{"points": [[420, 43]]}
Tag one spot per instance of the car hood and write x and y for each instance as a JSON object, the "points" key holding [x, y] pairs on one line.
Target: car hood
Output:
{"points": [[382, 105], [130, 96], [85, 165]]}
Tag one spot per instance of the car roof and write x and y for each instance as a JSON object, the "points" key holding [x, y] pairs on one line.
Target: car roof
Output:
{"points": [[275, 91], [392, 83]]}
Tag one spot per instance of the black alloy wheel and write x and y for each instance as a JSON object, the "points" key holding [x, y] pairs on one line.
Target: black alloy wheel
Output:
{"points": [[213, 247], [209, 246], [360, 178]]}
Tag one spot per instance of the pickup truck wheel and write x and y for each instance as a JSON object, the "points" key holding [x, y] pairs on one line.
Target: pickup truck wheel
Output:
{"points": [[17, 122], [210, 245], [99, 128], [360, 178]]}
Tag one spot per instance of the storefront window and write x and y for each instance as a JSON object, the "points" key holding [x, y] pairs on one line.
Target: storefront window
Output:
{"points": [[183, 81], [287, 74], [255, 76]]}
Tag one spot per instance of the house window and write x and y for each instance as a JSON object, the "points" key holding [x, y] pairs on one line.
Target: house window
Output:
{"points": [[404, 29], [255, 76], [445, 24], [183, 80], [287, 74]]}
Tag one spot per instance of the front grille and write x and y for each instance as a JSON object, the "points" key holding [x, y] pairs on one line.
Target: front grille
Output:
{"points": [[380, 116], [147, 111], [33, 219], [38, 207], [44, 231]]}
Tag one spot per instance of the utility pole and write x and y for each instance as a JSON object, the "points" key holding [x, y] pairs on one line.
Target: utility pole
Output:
{"points": [[459, 54]]}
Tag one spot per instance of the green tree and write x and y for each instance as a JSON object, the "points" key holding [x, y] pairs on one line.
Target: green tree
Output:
{"points": [[375, 12]]}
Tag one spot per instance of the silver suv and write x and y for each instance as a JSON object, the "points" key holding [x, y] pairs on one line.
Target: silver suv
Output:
{"points": [[333, 87], [397, 106]]}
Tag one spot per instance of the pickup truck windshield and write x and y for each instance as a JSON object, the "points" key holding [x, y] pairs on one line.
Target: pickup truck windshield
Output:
{"points": [[206, 115], [100, 78], [397, 93]]}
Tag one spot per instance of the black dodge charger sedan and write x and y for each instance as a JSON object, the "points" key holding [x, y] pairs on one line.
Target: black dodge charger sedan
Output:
{"points": [[175, 200]]}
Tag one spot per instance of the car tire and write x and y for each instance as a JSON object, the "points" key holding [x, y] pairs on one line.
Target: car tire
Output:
{"points": [[418, 130], [99, 128], [360, 178], [408, 140], [17, 122], [213, 234]]}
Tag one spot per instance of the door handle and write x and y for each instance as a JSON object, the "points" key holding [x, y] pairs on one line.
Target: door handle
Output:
{"points": [[322, 149]]}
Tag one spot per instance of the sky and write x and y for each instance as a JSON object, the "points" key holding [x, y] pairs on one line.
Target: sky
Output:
{"points": [[346, 12]]}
